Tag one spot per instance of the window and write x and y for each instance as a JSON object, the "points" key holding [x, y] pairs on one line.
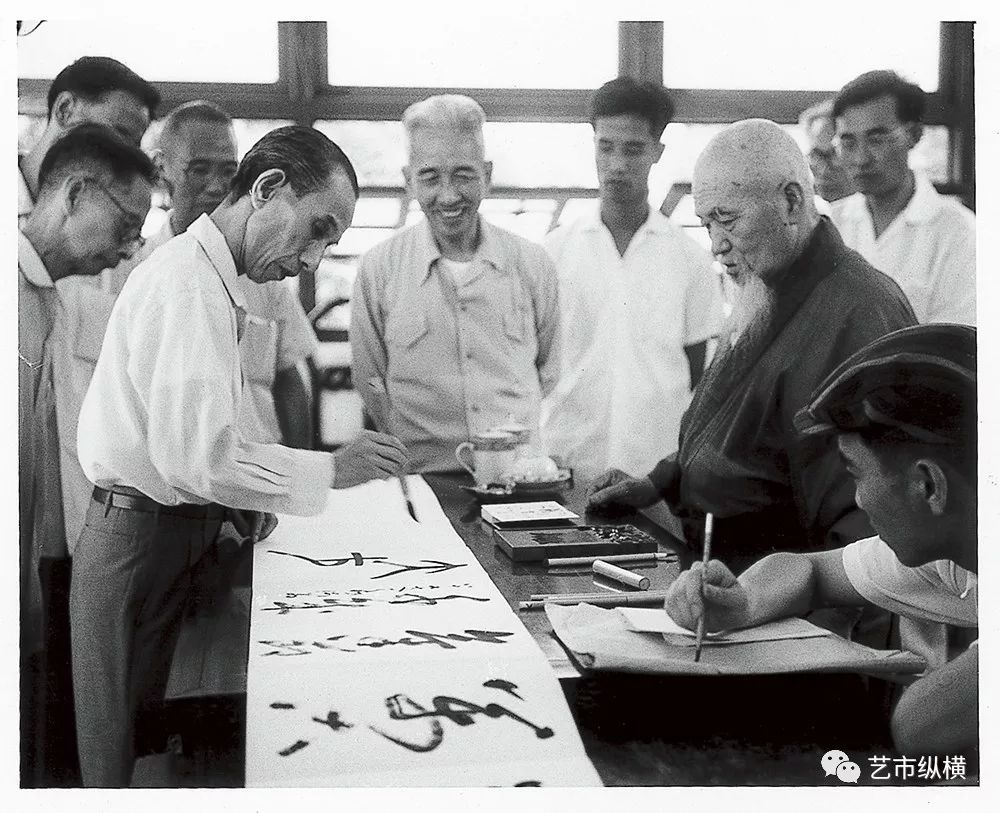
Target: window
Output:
{"points": [[475, 50], [768, 52], [211, 50]]}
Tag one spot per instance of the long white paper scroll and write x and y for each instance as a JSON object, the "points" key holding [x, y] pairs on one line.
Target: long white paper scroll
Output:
{"points": [[381, 654]]}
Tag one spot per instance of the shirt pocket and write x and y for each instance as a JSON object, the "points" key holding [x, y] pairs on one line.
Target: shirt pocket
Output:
{"points": [[407, 330], [514, 325], [259, 350]]}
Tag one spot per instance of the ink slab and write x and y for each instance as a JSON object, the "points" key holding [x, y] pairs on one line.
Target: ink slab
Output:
{"points": [[582, 540]]}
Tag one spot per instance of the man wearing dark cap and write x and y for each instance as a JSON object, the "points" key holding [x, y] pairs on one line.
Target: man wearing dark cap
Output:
{"points": [[903, 411]]}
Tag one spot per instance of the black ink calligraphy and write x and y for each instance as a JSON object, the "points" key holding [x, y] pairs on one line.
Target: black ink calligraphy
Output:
{"points": [[298, 745], [460, 712], [503, 686], [333, 720], [428, 565]]}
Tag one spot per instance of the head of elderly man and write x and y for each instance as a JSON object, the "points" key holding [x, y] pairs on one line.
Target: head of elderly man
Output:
{"points": [[196, 160], [292, 197], [94, 193], [447, 171], [754, 193]]}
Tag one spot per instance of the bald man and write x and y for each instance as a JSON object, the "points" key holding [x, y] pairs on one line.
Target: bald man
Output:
{"points": [[805, 303]]}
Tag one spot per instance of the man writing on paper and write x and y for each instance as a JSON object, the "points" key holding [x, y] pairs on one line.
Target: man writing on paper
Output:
{"points": [[93, 191], [805, 303], [454, 319], [903, 411], [638, 299], [897, 220], [160, 437]]}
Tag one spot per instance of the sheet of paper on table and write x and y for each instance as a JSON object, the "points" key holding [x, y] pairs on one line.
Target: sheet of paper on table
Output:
{"points": [[381, 654], [600, 640], [639, 619]]}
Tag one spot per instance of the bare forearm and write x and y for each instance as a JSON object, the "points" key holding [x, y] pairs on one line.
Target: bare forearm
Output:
{"points": [[778, 586]]}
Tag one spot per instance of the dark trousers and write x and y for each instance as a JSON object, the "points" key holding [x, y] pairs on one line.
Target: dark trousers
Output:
{"points": [[48, 736], [132, 575]]}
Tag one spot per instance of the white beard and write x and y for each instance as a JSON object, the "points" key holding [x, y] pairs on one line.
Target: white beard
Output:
{"points": [[753, 304]]}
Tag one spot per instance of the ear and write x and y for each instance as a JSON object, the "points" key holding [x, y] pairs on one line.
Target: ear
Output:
{"points": [[794, 197], [72, 192], [266, 186], [63, 108], [658, 151], [931, 483], [408, 179], [488, 175], [914, 132], [159, 163]]}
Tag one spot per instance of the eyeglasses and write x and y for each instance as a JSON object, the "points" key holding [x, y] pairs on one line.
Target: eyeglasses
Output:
{"points": [[872, 142], [201, 172], [130, 243]]}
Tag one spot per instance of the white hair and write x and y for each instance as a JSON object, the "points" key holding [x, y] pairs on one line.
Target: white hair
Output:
{"points": [[758, 155], [450, 111]]}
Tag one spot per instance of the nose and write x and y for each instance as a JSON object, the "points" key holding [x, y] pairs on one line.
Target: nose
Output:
{"points": [[309, 259], [217, 186], [448, 192], [720, 241]]}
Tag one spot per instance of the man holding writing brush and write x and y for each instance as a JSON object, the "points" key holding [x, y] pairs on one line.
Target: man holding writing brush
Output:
{"points": [[903, 411], [805, 303], [160, 436]]}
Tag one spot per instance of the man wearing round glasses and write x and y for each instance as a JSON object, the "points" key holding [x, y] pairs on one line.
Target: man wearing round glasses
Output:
{"points": [[897, 220], [93, 191]]}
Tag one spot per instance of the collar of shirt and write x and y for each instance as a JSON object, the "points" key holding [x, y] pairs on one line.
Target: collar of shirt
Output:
{"points": [[31, 264], [654, 223], [428, 253], [25, 203], [925, 201], [921, 207], [212, 240]]}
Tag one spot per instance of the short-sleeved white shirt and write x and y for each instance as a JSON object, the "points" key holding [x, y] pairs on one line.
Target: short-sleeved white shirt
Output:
{"points": [[624, 378], [924, 597], [929, 249]]}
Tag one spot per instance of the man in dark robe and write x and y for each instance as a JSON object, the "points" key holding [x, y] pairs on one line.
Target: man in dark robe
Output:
{"points": [[805, 303]]}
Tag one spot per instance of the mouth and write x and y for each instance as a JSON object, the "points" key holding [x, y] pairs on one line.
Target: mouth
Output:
{"points": [[450, 214]]}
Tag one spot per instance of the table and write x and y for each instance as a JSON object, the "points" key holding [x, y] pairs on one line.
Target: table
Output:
{"points": [[638, 730]]}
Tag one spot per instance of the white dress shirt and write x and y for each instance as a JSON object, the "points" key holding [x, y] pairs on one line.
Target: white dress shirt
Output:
{"points": [[929, 249], [277, 336], [625, 380], [162, 413]]}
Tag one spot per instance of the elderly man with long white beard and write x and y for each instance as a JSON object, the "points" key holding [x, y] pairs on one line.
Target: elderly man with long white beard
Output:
{"points": [[805, 303]]}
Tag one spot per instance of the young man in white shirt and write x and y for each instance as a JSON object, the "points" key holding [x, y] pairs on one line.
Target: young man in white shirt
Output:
{"points": [[904, 413], [161, 440], [638, 301], [897, 220]]}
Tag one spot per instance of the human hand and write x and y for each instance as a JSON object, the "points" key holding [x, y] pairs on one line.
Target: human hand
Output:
{"points": [[725, 601], [252, 525], [618, 492], [370, 456]]}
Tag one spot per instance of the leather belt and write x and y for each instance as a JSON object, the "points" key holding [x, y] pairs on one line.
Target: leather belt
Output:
{"points": [[136, 501]]}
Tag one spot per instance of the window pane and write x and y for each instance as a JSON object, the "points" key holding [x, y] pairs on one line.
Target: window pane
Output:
{"points": [[768, 52], [233, 50], [524, 154], [476, 50]]}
